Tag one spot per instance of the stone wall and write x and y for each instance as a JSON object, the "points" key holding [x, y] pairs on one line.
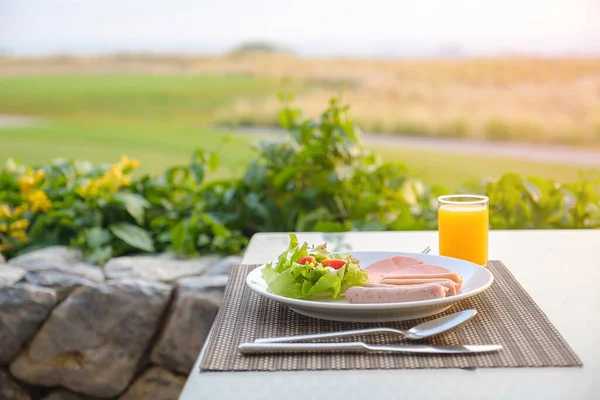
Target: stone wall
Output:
{"points": [[129, 330]]}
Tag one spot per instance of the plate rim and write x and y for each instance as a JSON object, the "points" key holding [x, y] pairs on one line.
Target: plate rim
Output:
{"points": [[372, 306]]}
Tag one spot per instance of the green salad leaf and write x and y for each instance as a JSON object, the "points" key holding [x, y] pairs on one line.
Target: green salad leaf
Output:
{"points": [[311, 280]]}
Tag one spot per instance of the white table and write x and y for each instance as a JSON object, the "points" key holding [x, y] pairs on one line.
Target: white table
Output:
{"points": [[559, 269]]}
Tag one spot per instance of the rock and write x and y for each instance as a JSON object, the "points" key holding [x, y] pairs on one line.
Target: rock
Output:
{"points": [[156, 384], [23, 308], [156, 268], [87, 271], [60, 259], [94, 341], [203, 283], [224, 266], [10, 274], [62, 394], [48, 256], [62, 283], [190, 319], [10, 389]]}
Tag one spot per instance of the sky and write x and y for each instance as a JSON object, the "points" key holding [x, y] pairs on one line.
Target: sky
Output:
{"points": [[391, 28]]}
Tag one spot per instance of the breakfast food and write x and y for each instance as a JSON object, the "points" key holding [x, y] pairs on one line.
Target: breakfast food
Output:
{"points": [[388, 266], [402, 279], [409, 279], [447, 283], [314, 273], [395, 294]]}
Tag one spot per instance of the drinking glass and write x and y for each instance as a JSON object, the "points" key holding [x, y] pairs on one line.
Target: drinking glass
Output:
{"points": [[463, 226]]}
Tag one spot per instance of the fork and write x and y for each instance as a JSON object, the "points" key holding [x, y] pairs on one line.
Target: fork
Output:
{"points": [[426, 250]]}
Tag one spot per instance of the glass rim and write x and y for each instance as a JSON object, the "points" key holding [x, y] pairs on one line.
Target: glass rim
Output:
{"points": [[478, 199]]}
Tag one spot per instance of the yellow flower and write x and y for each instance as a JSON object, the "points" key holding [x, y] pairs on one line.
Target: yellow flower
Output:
{"points": [[39, 175], [125, 181], [30, 179], [26, 183], [39, 201], [115, 173], [90, 189], [20, 210], [3, 227], [134, 164], [111, 181], [5, 211], [19, 235], [82, 190], [21, 224], [129, 163]]}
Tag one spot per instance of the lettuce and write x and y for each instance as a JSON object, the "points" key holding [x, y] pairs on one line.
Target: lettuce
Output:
{"points": [[288, 278]]}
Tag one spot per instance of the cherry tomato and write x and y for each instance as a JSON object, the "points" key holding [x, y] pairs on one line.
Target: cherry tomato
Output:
{"points": [[307, 259], [334, 263]]}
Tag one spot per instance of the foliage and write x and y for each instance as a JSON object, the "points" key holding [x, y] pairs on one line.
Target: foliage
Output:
{"points": [[324, 179], [102, 210], [321, 179], [537, 203]]}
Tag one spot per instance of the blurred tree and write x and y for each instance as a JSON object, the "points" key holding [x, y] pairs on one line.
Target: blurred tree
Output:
{"points": [[260, 47]]}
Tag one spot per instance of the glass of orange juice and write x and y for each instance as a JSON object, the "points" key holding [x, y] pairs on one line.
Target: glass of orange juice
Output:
{"points": [[463, 225]]}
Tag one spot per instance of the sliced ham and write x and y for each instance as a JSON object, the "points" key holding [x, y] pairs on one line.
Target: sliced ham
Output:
{"points": [[408, 280], [390, 266], [453, 276], [377, 293], [451, 286], [421, 269], [405, 277]]}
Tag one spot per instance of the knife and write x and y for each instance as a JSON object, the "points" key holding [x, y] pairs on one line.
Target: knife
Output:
{"points": [[255, 348]]}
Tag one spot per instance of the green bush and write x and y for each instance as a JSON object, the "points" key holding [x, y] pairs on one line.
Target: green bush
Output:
{"points": [[321, 178], [457, 128], [498, 129], [100, 209], [411, 128], [538, 203]]}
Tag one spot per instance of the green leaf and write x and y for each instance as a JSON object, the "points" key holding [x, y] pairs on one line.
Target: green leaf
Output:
{"points": [[134, 204], [100, 255], [200, 160], [203, 240], [288, 118], [132, 235], [327, 283], [534, 192], [178, 233], [254, 204], [177, 176], [307, 221], [213, 161], [198, 171], [97, 237], [331, 226]]}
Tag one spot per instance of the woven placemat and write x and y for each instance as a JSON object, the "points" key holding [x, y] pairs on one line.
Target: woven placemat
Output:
{"points": [[506, 315]]}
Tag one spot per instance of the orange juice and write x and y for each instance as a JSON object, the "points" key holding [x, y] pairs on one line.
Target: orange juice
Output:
{"points": [[463, 231]]}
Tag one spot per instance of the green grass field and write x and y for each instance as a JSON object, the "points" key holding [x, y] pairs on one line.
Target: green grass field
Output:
{"points": [[144, 97], [161, 119]]}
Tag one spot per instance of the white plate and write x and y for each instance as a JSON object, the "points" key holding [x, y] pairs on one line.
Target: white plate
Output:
{"points": [[475, 280]]}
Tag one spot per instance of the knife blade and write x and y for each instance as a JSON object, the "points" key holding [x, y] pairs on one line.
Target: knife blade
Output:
{"points": [[255, 348]]}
